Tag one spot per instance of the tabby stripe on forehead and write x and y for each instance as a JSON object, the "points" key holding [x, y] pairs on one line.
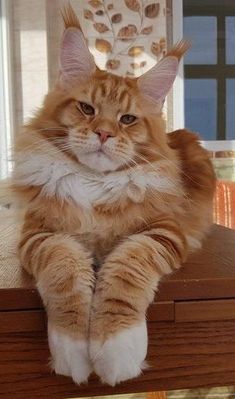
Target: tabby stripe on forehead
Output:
{"points": [[98, 91], [102, 89], [94, 93], [125, 99], [109, 87]]}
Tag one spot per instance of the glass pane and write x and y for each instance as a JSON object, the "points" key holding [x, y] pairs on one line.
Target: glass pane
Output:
{"points": [[230, 109], [230, 40], [202, 31], [200, 107]]}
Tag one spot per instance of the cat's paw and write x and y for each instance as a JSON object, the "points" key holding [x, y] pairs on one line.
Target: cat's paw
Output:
{"points": [[121, 357], [69, 356]]}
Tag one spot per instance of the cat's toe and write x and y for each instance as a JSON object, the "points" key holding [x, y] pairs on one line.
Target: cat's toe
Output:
{"points": [[121, 357], [81, 365], [69, 356]]}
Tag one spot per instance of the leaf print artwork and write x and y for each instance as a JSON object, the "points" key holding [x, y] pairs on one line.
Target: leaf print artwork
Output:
{"points": [[147, 30], [162, 43], [103, 46], [101, 28], [135, 51], [152, 10], [128, 73], [155, 48], [113, 64], [100, 13], [134, 65], [88, 14], [133, 5], [108, 19], [116, 18], [127, 32], [95, 3]]}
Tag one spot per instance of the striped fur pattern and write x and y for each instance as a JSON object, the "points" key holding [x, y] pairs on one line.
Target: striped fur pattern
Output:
{"points": [[110, 208]]}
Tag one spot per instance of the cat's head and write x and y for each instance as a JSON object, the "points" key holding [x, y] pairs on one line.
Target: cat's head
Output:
{"points": [[111, 121]]}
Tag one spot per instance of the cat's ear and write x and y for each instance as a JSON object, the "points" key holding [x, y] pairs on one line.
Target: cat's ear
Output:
{"points": [[157, 82], [76, 61]]}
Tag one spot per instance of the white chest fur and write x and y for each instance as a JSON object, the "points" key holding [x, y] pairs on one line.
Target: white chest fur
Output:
{"points": [[68, 180]]}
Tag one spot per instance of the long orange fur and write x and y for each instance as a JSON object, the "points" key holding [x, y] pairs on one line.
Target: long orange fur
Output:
{"points": [[135, 240]]}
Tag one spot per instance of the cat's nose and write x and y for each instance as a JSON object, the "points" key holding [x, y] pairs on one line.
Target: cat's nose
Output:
{"points": [[103, 135]]}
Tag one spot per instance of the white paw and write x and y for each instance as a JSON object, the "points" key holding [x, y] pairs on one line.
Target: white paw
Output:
{"points": [[122, 356], [69, 357]]}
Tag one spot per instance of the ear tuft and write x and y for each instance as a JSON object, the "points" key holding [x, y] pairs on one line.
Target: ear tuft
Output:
{"points": [[157, 82], [179, 49], [70, 18]]}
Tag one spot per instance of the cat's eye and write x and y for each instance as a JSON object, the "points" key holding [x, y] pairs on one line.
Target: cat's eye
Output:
{"points": [[127, 119], [87, 108]]}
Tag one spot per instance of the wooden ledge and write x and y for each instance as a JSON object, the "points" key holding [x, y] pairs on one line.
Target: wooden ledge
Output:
{"points": [[191, 329], [208, 274], [203, 289]]}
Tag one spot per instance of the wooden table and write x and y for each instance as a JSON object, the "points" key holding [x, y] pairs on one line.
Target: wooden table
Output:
{"points": [[191, 328]]}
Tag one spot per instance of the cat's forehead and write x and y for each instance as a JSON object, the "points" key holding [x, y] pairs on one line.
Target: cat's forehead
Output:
{"points": [[105, 87]]}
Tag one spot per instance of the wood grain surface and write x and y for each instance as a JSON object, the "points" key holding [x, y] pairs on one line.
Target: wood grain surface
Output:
{"points": [[217, 309], [35, 319], [180, 355], [209, 273], [191, 329]]}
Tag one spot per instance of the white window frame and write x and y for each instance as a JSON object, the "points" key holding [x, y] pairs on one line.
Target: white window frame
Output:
{"points": [[6, 100], [178, 88]]}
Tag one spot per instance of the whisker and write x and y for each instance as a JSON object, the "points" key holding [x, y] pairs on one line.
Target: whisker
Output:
{"points": [[53, 128], [43, 142], [154, 193], [186, 196], [175, 165], [47, 151]]}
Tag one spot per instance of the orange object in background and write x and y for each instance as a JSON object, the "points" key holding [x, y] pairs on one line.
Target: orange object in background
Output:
{"points": [[224, 204], [156, 395]]}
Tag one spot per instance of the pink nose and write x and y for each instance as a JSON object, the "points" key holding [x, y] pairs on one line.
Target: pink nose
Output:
{"points": [[103, 135]]}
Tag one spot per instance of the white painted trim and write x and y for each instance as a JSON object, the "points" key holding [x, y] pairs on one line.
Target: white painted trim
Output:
{"points": [[178, 88], [6, 122], [219, 145]]}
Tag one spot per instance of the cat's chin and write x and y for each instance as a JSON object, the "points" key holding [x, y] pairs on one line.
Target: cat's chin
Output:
{"points": [[99, 161]]}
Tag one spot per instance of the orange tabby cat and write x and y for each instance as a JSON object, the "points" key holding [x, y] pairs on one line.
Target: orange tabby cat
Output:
{"points": [[106, 189]]}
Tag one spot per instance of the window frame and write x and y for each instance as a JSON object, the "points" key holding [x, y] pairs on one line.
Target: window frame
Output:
{"points": [[178, 87], [219, 71], [6, 94]]}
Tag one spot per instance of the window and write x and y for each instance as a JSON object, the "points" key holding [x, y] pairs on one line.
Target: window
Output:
{"points": [[210, 68]]}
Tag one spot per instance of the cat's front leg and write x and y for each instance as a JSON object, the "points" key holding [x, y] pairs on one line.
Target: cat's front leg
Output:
{"points": [[65, 279], [125, 287]]}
